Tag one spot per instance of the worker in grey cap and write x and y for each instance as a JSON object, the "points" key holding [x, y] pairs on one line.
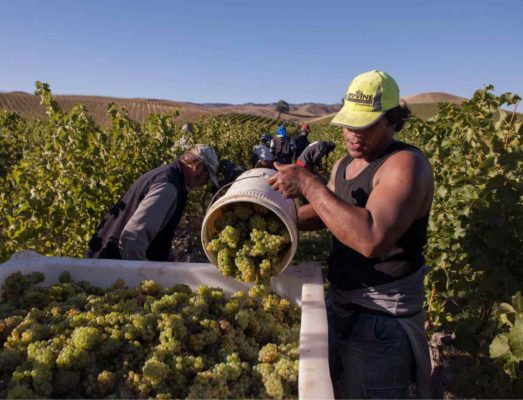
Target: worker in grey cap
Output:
{"points": [[142, 224]]}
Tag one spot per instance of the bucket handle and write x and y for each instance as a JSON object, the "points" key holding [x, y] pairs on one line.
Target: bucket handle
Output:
{"points": [[294, 201]]}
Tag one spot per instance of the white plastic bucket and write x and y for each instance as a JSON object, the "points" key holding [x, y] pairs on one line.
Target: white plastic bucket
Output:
{"points": [[252, 187]]}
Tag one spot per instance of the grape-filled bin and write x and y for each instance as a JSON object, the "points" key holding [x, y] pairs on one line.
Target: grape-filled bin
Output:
{"points": [[301, 284]]}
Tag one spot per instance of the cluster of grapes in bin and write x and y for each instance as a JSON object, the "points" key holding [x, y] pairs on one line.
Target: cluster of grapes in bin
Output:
{"points": [[249, 243], [78, 341]]}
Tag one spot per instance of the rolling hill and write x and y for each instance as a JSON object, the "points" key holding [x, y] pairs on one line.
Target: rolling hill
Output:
{"points": [[28, 106]]}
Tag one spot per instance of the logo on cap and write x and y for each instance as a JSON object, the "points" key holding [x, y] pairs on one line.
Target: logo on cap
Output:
{"points": [[359, 97]]}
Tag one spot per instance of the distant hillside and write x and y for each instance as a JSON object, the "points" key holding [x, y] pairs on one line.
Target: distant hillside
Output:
{"points": [[29, 106], [433, 97], [423, 105], [240, 117]]}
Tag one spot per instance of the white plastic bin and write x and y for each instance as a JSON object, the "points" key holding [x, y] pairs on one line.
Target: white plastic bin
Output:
{"points": [[301, 284]]}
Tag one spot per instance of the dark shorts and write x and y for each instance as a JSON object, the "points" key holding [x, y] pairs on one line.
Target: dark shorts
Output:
{"points": [[369, 355]]}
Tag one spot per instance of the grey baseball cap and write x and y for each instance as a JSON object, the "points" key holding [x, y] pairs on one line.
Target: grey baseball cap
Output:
{"points": [[207, 155]]}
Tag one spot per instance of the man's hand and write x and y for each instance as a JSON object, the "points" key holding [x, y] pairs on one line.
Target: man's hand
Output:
{"points": [[291, 180]]}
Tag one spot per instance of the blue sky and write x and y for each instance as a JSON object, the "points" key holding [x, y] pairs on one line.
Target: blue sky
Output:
{"points": [[258, 51]]}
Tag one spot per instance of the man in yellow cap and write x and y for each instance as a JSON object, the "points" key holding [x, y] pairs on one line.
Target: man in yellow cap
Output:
{"points": [[142, 224], [376, 205]]}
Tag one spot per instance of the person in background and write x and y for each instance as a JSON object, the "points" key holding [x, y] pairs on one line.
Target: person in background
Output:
{"points": [[312, 155], [261, 153], [142, 224], [185, 140], [187, 128], [282, 148], [228, 171], [376, 205], [302, 141]]}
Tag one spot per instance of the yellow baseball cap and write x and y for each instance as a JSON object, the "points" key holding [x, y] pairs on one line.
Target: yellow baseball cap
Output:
{"points": [[368, 96]]}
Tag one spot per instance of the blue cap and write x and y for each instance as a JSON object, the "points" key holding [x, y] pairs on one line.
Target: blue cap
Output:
{"points": [[281, 131]]}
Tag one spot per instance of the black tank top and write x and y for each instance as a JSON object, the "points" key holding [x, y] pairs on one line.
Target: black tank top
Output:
{"points": [[348, 269]]}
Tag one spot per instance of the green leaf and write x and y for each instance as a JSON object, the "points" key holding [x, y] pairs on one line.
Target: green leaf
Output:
{"points": [[515, 339], [510, 369], [517, 302], [506, 308], [500, 348]]}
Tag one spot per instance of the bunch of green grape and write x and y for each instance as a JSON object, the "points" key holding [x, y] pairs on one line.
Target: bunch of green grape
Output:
{"points": [[250, 242], [77, 341]]}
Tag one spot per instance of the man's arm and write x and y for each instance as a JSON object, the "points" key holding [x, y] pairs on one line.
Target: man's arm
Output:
{"points": [[149, 218], [395, 202], [304, 159], [324, 148], [308, 220]]}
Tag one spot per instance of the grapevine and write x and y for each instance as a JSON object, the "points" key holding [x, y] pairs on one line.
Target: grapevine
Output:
{"points": [[59, 175]]}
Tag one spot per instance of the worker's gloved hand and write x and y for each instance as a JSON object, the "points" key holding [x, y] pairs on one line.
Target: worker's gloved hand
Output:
{"points": [[313, 153], [323, 149]]}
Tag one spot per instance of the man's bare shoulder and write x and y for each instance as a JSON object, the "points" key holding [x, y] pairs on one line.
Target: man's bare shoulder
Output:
{"points": [[409, 160], [407, 171]]}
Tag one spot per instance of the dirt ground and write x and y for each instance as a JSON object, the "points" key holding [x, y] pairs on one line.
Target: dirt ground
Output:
{"points": [[187, 247]]}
